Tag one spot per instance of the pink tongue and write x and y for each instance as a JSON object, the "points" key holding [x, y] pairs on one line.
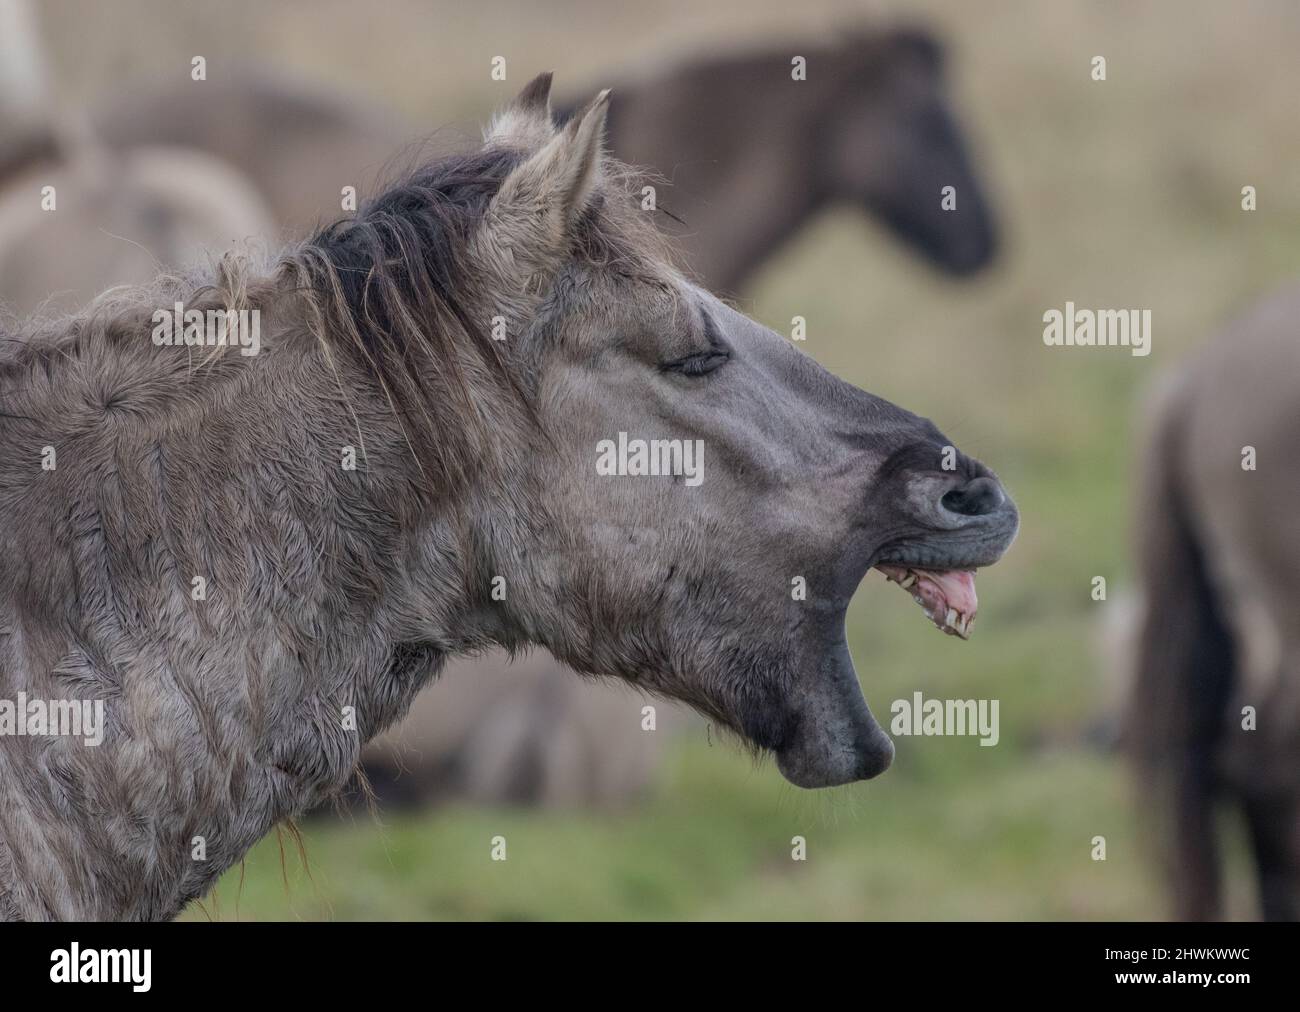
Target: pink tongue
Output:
{"points": [[958, 586]]}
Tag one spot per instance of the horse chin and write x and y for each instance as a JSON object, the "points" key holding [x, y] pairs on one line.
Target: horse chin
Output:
{"points": [[835, 740]]}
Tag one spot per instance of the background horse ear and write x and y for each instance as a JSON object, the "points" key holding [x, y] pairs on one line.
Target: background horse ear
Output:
{"points": [[528, 226], [525, 121]]}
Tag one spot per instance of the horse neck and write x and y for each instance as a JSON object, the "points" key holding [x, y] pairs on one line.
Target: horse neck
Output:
{"points": [[325, 608]]}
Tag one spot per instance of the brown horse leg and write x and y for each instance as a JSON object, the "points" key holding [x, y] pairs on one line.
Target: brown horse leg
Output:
{"points": [[1183, 677], [1275, 838], [1194, 876]]}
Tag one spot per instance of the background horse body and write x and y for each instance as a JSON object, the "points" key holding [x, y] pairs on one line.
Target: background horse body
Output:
{"points": [[1215, 712], [115, 218]]}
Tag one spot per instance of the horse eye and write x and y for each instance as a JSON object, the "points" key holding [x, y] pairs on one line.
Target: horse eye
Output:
{"points": [[700, 364]]}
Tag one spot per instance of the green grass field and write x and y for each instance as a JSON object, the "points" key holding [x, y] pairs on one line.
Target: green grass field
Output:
{"points": [[1116, 194]]}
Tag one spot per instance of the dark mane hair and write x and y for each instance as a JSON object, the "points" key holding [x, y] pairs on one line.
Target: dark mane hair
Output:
{"points": [[388, 288], [402, 248]]}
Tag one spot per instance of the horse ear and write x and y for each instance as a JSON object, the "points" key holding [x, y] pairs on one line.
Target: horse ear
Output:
{"points": [[524, 121], [530, 219], [562, 175]]}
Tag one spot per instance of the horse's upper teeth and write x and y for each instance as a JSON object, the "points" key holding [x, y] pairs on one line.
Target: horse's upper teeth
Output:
{"points": [[931, 596]]}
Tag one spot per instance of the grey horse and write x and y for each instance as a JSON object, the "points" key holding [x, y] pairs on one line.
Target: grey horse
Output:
{"points": [[1214, 716], [750, 155], [484, 411]]}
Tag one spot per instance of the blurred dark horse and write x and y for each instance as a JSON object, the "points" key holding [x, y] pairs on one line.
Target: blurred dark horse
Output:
{"points": [[1215, 712], [752, 155]]}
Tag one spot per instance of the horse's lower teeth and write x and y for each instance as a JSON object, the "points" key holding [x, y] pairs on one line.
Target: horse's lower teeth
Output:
{"points": [[942, 614]]}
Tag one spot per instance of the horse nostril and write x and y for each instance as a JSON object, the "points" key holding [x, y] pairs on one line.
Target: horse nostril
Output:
{"points": [[974, 499]]}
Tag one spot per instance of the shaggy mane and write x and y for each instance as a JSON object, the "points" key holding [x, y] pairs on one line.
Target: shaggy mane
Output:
{"points": [[389, 288], [388, 284]]}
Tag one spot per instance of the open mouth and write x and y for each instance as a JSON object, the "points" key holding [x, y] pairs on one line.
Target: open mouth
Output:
{"points": [[947, 596]]}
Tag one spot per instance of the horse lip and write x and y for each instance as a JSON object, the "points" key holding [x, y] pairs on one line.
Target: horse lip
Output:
{"points": [[836, 739], [936, 551], [925, 558], [834, 768]]}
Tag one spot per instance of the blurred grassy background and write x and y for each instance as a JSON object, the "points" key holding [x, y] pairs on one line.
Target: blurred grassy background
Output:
{"points": [[1117, 194]]}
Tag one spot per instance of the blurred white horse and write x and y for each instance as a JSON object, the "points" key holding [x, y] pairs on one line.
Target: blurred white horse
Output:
{"points": [[72, 209]]}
